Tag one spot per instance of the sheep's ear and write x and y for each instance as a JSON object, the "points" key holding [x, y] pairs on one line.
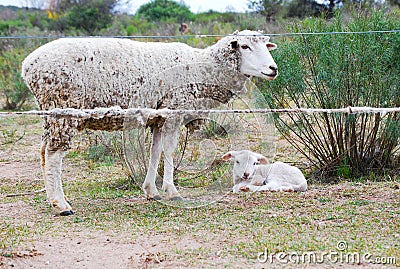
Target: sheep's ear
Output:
{"points": [[262, 160], [236, 32], [234, 44], [227, 156], [271, 46]]}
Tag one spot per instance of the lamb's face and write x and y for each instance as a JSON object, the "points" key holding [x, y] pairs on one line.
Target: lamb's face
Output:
{"points": [[244, 164], [256, 59]]}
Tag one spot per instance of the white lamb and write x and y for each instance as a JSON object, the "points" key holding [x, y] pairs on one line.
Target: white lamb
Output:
{"points": [[251, 172], [104, 72]]}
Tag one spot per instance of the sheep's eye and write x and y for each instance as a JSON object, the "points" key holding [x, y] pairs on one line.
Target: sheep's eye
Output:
{"points": [[237, 162], [245, 47]]}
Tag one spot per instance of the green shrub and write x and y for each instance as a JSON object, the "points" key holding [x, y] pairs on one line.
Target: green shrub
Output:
{"points": [[105, 147], [100, 153], [8, 27], [214, 16], [163, 10], [335, 71], [139, 26], [12, 87]]}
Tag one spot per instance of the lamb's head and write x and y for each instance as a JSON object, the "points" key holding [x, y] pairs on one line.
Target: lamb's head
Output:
{"points": [[255, 57], [245, 164]]}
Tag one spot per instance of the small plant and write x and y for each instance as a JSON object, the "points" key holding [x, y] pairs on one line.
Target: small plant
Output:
{"points": [[12, 86], [10, 136], [214, 129], [335, 71], [105, 148], [100, 153]]}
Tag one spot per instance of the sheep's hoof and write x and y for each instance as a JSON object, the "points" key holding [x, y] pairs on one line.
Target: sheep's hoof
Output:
{"points": [[67, 213], [176, 198], [154, 198], [244, 189]]}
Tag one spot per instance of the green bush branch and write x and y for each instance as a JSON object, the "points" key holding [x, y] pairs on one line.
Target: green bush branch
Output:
{"points": [[333, 71]]}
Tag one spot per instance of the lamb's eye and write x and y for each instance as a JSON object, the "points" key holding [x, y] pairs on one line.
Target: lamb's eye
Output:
{"points": [[237, 162], [245, 47]]}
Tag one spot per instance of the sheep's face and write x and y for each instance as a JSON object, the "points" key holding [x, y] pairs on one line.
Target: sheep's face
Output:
{"points": [[256, 59], [244, 164]]}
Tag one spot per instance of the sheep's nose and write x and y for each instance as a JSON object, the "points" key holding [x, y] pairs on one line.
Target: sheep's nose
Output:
{"points": [[273, 68], [246, 175]]}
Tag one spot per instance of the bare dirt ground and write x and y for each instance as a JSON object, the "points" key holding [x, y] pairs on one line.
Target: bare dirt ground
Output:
{"points": [[115, 227], [88, 249]]}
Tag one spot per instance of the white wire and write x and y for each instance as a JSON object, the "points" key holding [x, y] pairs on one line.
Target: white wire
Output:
{"points": [[119, 112], [205, 35]]}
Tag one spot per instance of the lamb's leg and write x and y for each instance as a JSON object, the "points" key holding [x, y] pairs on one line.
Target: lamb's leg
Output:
{"points": [[257, 180], [149, 185], [251, 188], [277, 186], [52, 175], [285, 187], [170, 140], [241, 187]]}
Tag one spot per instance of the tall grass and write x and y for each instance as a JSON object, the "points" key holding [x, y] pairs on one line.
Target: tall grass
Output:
{"points": [[334, 71]]}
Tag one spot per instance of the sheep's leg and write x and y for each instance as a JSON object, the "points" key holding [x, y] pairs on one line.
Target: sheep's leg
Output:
{"points": [[56, 141], [170, 141], [236, 187], [257, 180], [149, 185], [241, 187], [285, 187], [52, 177], [277, 186], [251, 188]]}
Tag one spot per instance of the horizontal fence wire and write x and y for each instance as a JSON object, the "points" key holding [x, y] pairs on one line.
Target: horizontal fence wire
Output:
{"points": [[203, 36], [152, 113]]}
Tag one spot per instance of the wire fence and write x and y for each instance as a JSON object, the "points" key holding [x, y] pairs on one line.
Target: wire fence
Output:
{"points": [[119, 112], [204, 35]]}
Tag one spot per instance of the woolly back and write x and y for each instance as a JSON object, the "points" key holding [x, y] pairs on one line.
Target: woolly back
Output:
{"points": [[103, 72]]}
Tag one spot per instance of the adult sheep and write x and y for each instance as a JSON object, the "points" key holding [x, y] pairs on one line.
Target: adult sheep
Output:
{"points": [[86, 73]]}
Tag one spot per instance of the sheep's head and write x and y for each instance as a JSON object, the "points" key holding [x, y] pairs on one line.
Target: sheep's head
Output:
{"points": [[254, 50], [244, 163]]}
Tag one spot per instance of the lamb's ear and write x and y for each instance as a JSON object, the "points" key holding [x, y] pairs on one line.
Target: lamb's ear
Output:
{"points": [[234, 44], [262, 160], [229, 155], [271, 46]]}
